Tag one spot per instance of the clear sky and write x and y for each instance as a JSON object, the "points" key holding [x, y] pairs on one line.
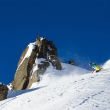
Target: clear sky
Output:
{"points": [[79, 28]]}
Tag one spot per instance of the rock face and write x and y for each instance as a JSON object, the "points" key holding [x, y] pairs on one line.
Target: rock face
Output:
{"points": [[71, 62], [30, 65], [3, 92], [40, 71]]}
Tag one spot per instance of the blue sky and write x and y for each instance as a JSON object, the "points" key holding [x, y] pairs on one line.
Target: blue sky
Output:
{"points": [[79, 28]]}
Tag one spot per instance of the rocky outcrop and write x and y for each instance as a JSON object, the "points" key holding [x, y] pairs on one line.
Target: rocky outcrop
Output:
{"points": [[3, 92], [71, 62], [28, 70], [40, 71], [55, 62], [21, 76]]}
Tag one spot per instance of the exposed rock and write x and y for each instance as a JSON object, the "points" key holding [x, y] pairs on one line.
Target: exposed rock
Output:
{"points": [[35, 77], [55, 62], [21, 77], [25, 76], [22, 56], [3, 92], [71, 62]]}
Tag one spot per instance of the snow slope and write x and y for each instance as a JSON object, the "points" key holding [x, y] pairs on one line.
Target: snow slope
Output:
{"points": [[72, 88], [107, 65]]}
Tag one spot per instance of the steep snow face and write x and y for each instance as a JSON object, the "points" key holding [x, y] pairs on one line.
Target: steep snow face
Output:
{"points": [[107, 65], [52, 75], [72, 88]]}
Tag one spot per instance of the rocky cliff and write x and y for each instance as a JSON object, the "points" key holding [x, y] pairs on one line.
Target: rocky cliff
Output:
{"points": [[34, 61], [3, 91]]}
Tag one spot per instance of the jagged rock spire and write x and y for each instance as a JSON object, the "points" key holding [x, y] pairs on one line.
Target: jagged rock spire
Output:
{"points": [[26, 73]]}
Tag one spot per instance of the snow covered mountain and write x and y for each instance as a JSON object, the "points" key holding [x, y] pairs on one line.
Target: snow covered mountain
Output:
{"points": [[72, 88], [42, 82], [34, 61]]}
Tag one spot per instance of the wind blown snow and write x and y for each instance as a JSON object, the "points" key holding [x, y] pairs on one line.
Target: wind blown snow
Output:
{"points": [[73, 88]]}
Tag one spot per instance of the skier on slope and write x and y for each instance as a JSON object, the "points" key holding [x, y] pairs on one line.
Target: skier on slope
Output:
{"points": [[95, 67]]}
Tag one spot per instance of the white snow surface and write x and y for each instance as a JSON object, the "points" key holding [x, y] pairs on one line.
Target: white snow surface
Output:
{"points": [[42, 38], [107, 65], [72, 88]]}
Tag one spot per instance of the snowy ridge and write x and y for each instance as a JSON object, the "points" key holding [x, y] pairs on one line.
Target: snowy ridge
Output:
{"points": [[107, 65], [73, 88], [42, 38]]}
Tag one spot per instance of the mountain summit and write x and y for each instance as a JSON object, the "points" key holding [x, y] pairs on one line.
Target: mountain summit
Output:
{"points": [[42, 82], [34, 61], [71, 88]]}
